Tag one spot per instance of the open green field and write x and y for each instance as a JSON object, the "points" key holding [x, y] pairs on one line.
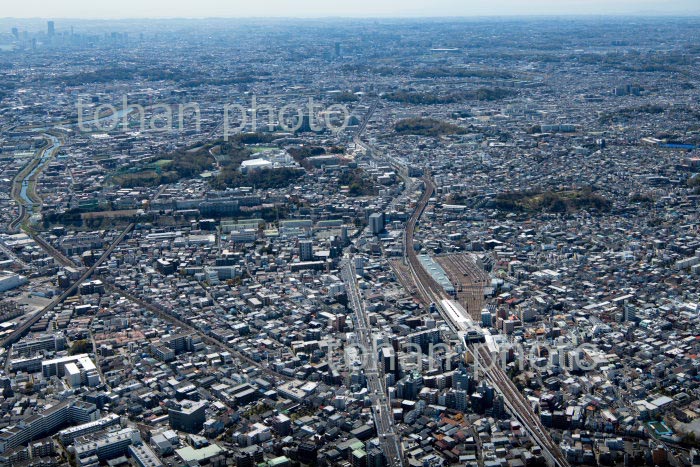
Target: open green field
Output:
{"points": [[261, 149]]}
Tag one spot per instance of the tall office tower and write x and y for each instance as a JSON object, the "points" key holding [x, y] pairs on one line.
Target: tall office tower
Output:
{"points": [[305, 126], [461, 399], [306, 250], [376, 223], [486, 318], [337, 49], [462, 379], [375, 457], [15, 33], [499, 406], [51, 28]]}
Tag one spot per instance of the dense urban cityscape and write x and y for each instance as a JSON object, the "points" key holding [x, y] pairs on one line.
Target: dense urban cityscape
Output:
{"points": [[363, 243]]}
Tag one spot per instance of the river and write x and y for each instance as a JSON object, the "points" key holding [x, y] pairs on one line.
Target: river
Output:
{"points": [[47, 154]]}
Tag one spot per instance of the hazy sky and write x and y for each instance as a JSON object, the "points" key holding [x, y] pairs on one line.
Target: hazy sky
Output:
{"points": [[324, 8]]}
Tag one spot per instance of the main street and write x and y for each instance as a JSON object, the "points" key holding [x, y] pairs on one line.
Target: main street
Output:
{"points": [[389, 438], [381, 407]]}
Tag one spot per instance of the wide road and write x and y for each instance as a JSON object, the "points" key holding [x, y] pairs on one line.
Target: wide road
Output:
{"points": [[389, 438], [381, 408], [433, 293]]}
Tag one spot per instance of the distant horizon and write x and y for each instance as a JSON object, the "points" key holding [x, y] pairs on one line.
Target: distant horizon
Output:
{"points": [[650, 15], [358, 9]]}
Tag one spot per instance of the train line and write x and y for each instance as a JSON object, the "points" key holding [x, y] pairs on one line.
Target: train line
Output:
{"points": [[27, 324], [469, 281], [59, 257], [166, 315], [432, 292]]}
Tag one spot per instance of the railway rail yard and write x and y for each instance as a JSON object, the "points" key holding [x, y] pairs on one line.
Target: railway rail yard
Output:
{"points": [[464, 326]]}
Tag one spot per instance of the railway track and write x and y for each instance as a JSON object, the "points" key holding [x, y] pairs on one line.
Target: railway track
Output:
{"points": [[432, 292], [403, 275], [59, 257], [18, 333], [163, 313], [469, 281]]}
